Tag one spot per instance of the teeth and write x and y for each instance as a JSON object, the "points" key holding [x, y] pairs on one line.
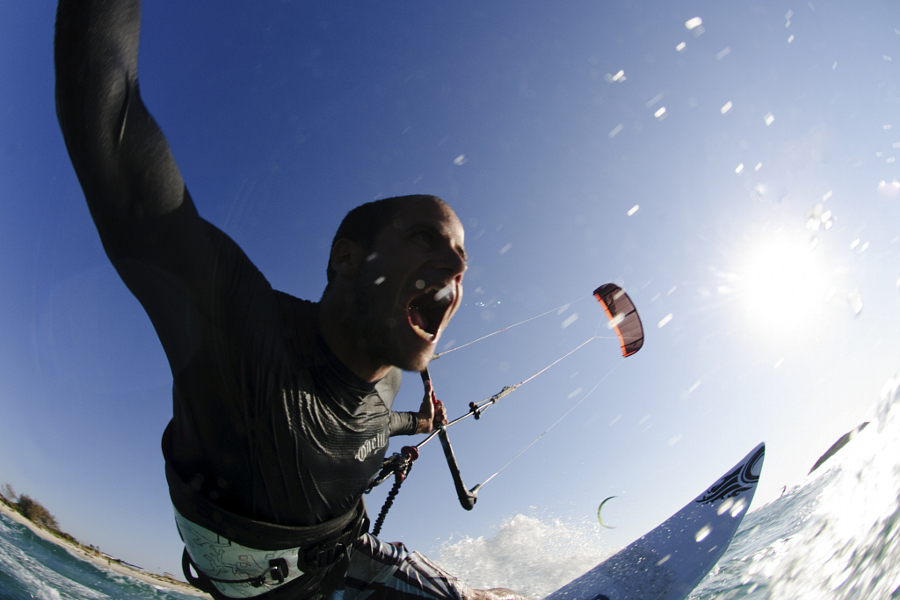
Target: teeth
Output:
{"points": [[422, 333]]}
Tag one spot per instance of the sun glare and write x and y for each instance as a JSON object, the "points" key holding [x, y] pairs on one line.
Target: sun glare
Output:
{"points": [[785, 285]]}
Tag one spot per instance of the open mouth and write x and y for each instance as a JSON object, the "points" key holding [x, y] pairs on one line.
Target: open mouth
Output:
{"points": [[427, 311]]}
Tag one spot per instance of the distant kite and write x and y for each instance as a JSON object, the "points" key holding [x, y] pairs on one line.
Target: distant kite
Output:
{"points": [[599, 509], [623, 317]]}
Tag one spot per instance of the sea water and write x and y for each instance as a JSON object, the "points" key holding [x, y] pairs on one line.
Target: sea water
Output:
{"points": [[32, 567], [835, 536]]}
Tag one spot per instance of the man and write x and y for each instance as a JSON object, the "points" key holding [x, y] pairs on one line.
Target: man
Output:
{"points": [[282, 407]]}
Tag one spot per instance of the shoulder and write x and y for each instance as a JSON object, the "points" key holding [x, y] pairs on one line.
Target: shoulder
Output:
{"points": [[389, 386], [296, 311], [300, 324]]}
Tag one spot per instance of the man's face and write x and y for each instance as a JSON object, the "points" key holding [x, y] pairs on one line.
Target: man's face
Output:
{"points": [[410, 286]]}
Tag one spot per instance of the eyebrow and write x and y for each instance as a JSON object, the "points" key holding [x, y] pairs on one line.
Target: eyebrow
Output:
{"points": [[424, 226]]}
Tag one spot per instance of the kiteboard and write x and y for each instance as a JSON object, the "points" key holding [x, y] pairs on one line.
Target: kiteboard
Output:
{"points": [[669, 561]]}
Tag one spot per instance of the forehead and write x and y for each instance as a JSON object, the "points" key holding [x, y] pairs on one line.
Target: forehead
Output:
{"points": [[429, 214]]}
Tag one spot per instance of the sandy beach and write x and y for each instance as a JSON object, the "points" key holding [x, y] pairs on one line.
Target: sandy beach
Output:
{"points": [[102, 562]]}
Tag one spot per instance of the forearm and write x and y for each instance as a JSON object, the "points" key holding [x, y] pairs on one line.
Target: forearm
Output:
{"points": [[404, 423], [120, 156]]}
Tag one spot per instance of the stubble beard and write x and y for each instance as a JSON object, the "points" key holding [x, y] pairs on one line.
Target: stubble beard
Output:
{"points": [[380, 321]]}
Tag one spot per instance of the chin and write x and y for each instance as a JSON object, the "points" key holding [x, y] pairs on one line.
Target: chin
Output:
{"points": [[416, 363]]}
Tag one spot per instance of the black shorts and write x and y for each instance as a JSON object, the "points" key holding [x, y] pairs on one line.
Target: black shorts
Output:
{"points": [[380, 570]]}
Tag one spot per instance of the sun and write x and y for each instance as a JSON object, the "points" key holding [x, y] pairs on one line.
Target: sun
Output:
{"points": [[785, 285]]}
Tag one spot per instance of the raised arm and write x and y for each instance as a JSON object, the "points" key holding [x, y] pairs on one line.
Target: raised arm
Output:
{"points": [[119, 153], [190, 277]]}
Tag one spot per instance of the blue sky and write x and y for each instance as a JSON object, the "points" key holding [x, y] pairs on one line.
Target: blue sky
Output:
{"points": [[284, 115]]}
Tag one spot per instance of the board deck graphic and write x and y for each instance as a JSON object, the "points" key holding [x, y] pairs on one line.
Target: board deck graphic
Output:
{"points": [[669, 561]]}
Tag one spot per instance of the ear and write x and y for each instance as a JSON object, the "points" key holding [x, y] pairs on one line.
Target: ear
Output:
{"points": [[346, 257]]}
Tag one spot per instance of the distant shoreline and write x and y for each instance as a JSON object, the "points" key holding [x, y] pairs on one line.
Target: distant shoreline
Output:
{"points": [[101, 561]]}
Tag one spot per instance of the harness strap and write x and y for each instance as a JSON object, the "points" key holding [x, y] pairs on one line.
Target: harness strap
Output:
{"points": [[278, 568], [296, 560], [259, 534]]}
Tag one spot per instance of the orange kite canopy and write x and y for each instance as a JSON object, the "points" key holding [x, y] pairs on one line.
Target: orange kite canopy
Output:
{"points": [[623, 317]]}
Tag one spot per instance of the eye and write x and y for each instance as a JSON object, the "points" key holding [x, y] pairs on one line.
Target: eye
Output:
{"points": [[424, 237]]}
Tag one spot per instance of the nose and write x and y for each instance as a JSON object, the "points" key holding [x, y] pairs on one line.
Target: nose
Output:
{"points": [[453, 262]]}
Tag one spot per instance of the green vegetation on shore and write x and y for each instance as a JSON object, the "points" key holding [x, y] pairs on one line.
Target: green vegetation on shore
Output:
{"points": [[35, 512]]}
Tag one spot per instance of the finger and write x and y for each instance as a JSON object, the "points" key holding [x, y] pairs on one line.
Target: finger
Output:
{"points": [[440, 413], [427, 408]]}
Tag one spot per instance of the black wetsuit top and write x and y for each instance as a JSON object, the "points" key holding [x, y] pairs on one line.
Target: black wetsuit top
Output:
{"points": [[267, 423]]}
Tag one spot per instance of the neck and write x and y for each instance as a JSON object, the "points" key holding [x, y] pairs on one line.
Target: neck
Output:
{"points": [[343, 338]]}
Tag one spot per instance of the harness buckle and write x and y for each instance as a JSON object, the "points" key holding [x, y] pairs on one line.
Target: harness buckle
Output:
{"points": [[278, 569], [324, 555]]}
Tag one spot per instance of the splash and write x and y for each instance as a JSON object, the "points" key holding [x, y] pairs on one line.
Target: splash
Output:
{"points": [[526, 554], [851, 546]]}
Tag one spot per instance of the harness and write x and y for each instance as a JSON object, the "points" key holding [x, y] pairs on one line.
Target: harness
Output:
{"points": [[237, 557]]}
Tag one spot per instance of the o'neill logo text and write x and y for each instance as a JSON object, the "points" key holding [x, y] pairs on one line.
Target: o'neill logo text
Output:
{"points": [[370, 446]]}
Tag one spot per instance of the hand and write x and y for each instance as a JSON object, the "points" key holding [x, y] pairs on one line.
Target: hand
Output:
{"points": [[432, 414]]}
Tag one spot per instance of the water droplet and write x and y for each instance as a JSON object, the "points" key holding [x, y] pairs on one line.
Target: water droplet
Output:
{"points": [[571, 319], [855, 301], [725, 506], [703, 533]]}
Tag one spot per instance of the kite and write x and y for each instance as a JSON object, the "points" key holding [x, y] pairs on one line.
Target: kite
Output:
{"points": [[623, 317], [600, 508]]}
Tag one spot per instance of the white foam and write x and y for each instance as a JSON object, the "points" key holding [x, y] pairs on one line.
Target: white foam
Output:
{"points": [[526, 554]]}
